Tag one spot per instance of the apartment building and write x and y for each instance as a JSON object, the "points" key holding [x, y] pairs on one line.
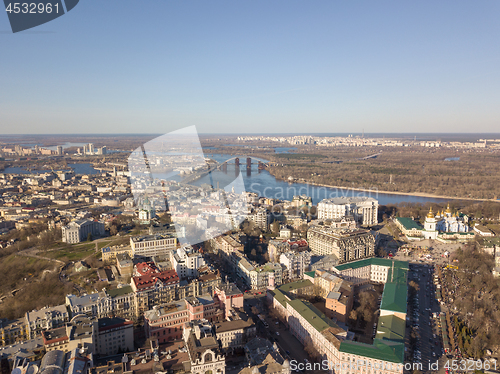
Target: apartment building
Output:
{"points": [[186, 262], [153, 245], [278, 246], [235, 333], [109, 253], [345, 244], [80, 332], [114, 335], [229, 296], [45, 319], [120, 302], [228, 244], [296, 263], [13, 331], [166, 323], [261, 217], [205, 355], [152, 286], [339, 302]]}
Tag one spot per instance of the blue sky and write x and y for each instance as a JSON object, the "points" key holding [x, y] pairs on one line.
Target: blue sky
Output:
{"points": [[243, 66]]}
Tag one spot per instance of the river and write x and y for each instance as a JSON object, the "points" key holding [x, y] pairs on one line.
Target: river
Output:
{"points": [[263, 183], [266, 185]]}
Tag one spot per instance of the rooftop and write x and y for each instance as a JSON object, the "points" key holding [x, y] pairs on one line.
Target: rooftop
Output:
{"points": [[373, 261], [232, 325], [55, 335], [394, 297], [391, 328], [290, 287], [112, 323], [120, 291], [312, 315], [230, 289], [385, 350], [408, 223]]}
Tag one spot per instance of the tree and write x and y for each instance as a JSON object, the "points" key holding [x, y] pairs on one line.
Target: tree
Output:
{"points": [[275, 227], [353, 315], [89, 237], [367, 305], [113, 230], [311, 350]]}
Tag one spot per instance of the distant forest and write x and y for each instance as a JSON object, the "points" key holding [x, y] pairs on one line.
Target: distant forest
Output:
{"points": [[408, 170]]}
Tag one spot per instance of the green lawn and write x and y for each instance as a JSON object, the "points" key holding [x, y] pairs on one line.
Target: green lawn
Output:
{"points": [[494, 227], [73, 253]]}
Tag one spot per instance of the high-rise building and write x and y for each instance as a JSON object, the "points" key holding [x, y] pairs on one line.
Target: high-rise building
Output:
{"points": [[363, 209]]}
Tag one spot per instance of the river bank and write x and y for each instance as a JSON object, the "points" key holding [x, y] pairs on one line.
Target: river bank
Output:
{"points": [[375, 191]]}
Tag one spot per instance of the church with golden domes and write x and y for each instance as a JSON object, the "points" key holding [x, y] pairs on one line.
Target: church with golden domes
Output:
{"points": [[444, 222]]}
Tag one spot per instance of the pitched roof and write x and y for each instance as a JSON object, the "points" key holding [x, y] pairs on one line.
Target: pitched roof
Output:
{"points": [[373, 261], [408, 223], [385, 350], [312, 315], [279, 296], [394, 297], [167, 277], [289, 287], [391, 328]]}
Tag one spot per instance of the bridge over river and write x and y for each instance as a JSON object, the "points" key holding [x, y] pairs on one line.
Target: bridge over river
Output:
{"points": [[213, 165]]}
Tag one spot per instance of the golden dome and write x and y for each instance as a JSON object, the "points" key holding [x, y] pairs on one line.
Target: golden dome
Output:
{"points": [[448, 210], [430, 214]]}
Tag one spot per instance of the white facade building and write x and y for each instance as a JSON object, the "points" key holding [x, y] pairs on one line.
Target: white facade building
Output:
{"points": [[78, 231], [186, 262], [45, 319], [153, 245], [363, 209], [296, 263]]}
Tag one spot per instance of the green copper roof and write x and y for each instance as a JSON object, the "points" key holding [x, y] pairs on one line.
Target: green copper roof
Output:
{"points": [[391, 328], [279, 296], [310, 273], [288, 287], [373, 261], [385, 350], [312, 315], [408, 223], [394, 297]]}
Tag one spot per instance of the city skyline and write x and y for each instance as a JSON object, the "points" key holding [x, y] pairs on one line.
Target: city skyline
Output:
{"points": [[257, 67]]}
